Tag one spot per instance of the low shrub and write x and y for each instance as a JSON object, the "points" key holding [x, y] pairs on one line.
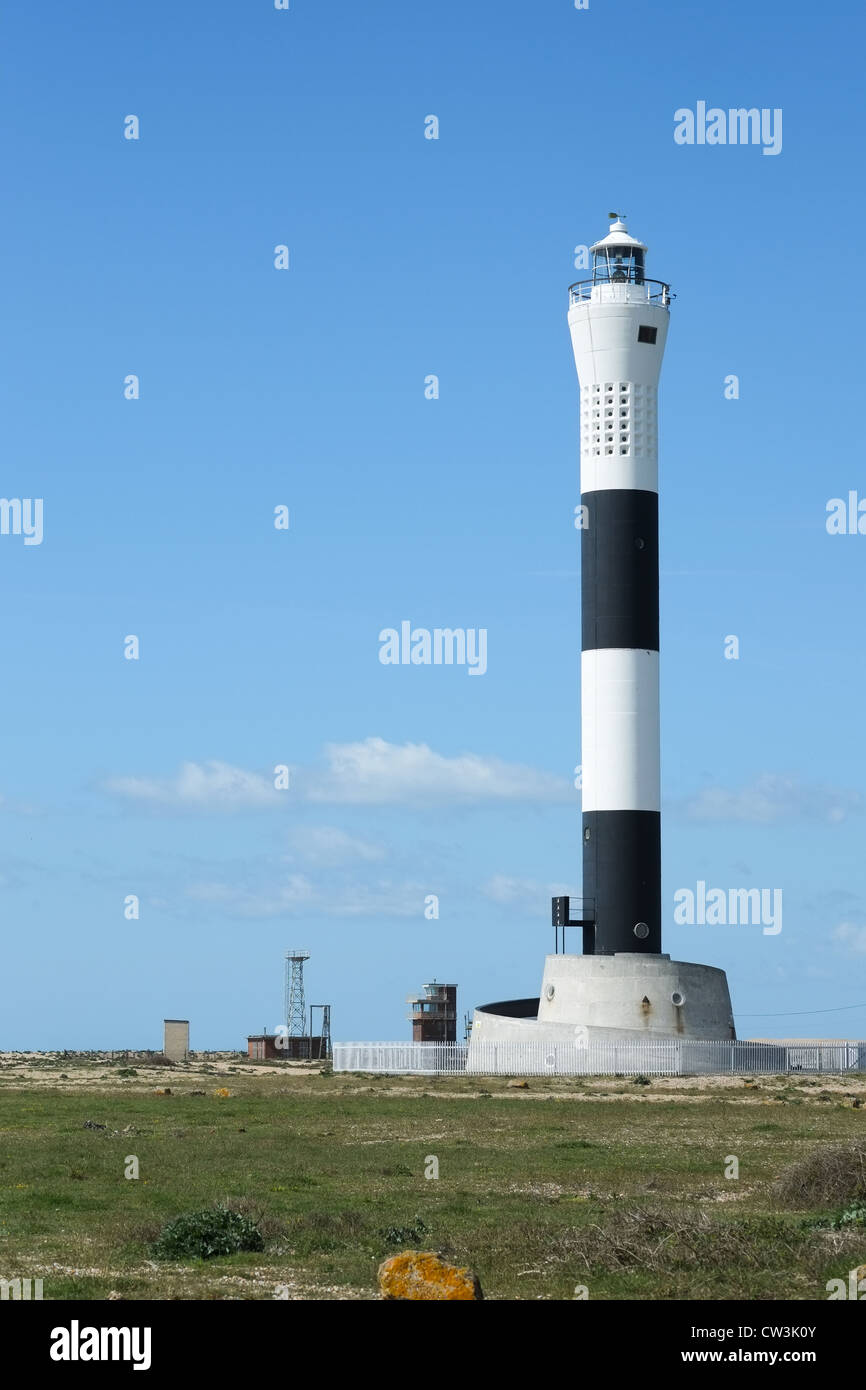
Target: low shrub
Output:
{"points": [[406, 1235], [830, 1176], [204, 1234]]}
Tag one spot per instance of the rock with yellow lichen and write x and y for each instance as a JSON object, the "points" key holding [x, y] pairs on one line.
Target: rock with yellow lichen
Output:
{"points": [[420, 1274]]}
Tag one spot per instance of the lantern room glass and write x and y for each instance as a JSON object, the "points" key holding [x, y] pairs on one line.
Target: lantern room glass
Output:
{"points": [[618, 265]]}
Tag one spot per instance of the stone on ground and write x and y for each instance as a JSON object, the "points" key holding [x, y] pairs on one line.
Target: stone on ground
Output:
{"points": [[420, 1274]]}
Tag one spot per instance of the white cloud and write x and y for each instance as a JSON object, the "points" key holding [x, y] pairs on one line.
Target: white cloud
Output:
{"points": [[772, 797], [208, 786], [294, 893], [380, 899], [327, 845], [374, 772], [297, 895], [524, 893], [852, 936], [369, 773]]}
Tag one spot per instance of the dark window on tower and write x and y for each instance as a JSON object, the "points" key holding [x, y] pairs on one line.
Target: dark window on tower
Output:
{"points": [[646, 334]]}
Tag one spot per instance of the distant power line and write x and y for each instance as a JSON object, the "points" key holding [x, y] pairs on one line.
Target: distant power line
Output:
{"points": [[796, 1013]]}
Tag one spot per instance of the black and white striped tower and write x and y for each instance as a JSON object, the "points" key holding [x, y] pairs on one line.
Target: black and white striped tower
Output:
{"points": [[619, 322], [623, 987]]}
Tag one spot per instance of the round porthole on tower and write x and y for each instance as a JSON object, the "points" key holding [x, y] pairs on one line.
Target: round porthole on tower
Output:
{"points": [[549, 991], [678, 999], [641, 931]]}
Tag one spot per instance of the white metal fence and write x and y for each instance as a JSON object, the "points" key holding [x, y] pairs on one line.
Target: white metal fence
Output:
{"points": [[441, 1059], [647, 1056]]}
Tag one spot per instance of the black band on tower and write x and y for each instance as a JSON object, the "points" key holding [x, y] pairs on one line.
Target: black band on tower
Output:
{"points": [[619, 561], [621, 858]]}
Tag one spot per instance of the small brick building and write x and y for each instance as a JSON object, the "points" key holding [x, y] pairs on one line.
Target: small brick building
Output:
{"points": [[434, 1013], [278, 1047]]}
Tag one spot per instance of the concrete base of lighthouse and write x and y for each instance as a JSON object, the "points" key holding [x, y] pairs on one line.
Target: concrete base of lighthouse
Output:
{"points": [[651, 996], [623, 998]]}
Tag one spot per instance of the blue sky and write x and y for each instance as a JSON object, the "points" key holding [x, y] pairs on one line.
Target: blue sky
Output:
{"points": [[305, 387]]}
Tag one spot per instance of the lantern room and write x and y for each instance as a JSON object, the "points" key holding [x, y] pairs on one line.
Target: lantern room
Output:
{"points": [[618, 258]]}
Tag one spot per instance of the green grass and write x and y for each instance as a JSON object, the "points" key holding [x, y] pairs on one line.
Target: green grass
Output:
{"points": [[538, 1191]]}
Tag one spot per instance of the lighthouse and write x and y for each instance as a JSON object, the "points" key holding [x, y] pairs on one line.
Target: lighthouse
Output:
{"points": [[619, 324], [621, 987]]}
